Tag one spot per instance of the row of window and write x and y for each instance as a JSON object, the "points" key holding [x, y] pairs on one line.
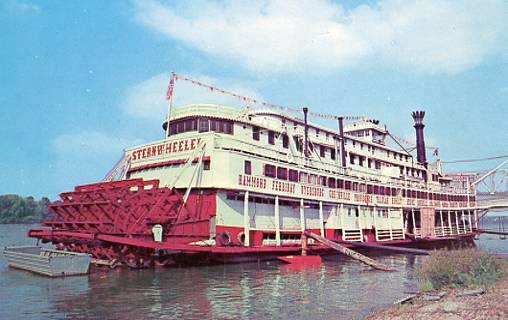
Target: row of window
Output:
{"points": [[363, 161], [201, 125], [292, 175], [265, 200], [272, 136], [323, 150]]}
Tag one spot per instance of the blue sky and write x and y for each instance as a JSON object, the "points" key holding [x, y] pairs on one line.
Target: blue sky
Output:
{"points": [[82, 80]]}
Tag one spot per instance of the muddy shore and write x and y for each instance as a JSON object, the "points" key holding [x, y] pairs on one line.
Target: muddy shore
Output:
{"points": [[492, 304]]}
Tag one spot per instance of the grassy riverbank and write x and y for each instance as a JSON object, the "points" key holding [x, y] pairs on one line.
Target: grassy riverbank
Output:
{"points": [[445, 277]]}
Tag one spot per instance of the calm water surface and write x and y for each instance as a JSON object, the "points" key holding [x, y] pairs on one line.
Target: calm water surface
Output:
{"points": [[337, 289]]}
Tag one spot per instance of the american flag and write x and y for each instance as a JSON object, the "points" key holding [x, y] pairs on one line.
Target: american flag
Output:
{"points": [[169, 93]]}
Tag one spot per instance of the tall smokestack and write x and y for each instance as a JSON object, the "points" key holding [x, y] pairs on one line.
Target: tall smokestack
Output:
{"points": [[420, 142], [342, 142], [306, 133]]}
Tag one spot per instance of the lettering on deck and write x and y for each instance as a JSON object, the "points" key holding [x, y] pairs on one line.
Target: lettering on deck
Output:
{"points": [[283, 186], [250, 181], [165, 148]]}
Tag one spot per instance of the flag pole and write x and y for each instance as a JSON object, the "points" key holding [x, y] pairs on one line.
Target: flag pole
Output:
{"points": [[169, 96]]}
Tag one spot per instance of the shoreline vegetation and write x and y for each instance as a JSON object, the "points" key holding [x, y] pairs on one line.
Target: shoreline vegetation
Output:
{"points": [[17, 209], [456, 284]]}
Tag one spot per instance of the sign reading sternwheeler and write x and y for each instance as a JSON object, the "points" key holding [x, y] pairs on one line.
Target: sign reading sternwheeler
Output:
{"points": [[165, 148]]}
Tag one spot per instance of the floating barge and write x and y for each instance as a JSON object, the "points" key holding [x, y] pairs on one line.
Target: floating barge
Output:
{"points": [[51, 263], [232, 184]]}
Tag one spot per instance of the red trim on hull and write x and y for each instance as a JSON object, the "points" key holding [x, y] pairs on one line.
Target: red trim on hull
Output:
{"points": [[48, 233]]}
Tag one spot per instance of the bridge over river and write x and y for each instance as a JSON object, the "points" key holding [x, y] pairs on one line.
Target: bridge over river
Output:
{"points": [[490, 186]]}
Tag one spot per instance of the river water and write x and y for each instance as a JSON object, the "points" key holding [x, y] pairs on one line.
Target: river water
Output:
{"points": [[337, 289]]}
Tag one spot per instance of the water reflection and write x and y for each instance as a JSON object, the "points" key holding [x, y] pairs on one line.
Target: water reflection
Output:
{"points": [[339, 288]]}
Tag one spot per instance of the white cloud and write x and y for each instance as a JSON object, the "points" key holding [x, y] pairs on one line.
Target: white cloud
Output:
{"points": [[19, 7], [86, 156], [90, 144], [291, 36], [147, 99]]}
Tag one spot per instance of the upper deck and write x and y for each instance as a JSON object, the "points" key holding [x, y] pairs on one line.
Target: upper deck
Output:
{"points": [[267, 146]]}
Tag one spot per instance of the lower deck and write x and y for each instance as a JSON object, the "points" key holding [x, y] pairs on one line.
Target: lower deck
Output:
{"points": [[248, 219]]}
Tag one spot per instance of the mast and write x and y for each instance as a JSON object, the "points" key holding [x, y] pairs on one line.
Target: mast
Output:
{"points": [[169, 97]]}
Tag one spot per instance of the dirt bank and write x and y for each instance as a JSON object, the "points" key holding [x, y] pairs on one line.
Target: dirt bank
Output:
{"points": [[493, 304]]}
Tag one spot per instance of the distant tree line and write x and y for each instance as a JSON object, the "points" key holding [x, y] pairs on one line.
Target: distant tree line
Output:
{"points": [[16, 209]]}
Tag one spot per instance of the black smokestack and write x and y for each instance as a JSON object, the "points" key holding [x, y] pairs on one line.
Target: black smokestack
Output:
{"points": [[342, 142], [306, 131], [420, 142]]}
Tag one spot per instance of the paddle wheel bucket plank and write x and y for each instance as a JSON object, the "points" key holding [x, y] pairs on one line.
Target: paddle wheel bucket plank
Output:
{"points": [[122, 209], [125, 207]]}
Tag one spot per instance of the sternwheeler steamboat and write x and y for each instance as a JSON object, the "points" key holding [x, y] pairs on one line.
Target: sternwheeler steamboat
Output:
{"points": [[232, 184]]}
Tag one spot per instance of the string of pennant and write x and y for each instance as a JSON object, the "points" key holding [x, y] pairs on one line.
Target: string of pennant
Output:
{"points": [[177, 77]]}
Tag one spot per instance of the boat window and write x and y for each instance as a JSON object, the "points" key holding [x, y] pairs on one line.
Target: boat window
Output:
{"points": [[369, 189], [376, 189], [293, 175], [332, 154], [271, 137], [348, 185], [228, 127], [355, 186], [322, 151], [303, 177], [282, 173], [323, 181], [340, 183], [247, 167], [270, 170], [285, 141], [181, 126], [172, 128], [332, 183], [206, 165], [299, 145], [255, 133], [203, 125], [213, 125], [192, 125]]}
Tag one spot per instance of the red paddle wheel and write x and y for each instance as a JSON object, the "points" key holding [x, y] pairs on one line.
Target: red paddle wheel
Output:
{"points": [[114, 221]]}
